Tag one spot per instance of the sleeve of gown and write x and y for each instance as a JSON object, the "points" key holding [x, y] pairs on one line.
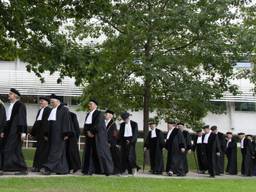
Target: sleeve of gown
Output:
{"points": [[188, 143], [146, 143], [100, 123], [181, 140], [22, 119], [66, 123], [135, 133], [76, 126], [2, 118], [114, 135], [162, 141]]}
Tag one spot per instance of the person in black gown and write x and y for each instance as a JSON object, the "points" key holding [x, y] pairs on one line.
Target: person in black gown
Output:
{"points": [[58, 134], [14, 134], [73, 154], [231, 152], [175, 145], [128, 139], [155, 144], [97, 157], [38, 131], [212, 148], [199, 147], [2, 125], [113, 140]]}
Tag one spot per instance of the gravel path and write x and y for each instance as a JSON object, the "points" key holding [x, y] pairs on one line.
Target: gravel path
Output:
{"points": [[190, 175]]}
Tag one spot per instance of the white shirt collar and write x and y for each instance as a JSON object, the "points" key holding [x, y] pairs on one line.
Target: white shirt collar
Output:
{"points": [[88, 120], [153, 133], [199, 140], [169, 133], [206, 137], [53, 114], [40, 116], [128, 129], [9, 111]]}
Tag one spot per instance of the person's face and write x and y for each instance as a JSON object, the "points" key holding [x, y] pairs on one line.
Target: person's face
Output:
{"points": [[11, 96], [152, 126], [199, 134], [241, 136], [43, 103], [92, 106], [181, 127], [54, 102], [207, 130], [229, 136], [170, 126], [126, 120], [108, 116]]}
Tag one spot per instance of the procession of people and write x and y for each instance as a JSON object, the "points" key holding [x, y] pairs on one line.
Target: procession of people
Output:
{"points": [[111, 150]]}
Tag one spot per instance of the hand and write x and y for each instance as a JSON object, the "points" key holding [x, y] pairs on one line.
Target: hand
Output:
{"points": [[127, 142], [189, 151], [1, 135], [183, 150], [23, 136], [145, 149], [218, 153], [89, 134], [65, 138], [45, 138]]}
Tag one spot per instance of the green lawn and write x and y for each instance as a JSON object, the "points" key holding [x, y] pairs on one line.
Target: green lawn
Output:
{"points": [[29, 153], [121, 184]]}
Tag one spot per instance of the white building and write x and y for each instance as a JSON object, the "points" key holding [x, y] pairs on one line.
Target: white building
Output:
{"points": [[240, 113]]}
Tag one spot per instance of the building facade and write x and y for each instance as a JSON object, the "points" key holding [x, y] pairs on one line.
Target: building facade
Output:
{"points": [[239, 116]]}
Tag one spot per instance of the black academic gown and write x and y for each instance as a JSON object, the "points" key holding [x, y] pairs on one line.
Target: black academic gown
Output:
{"points": [[73, 154], [212, 148], [114, 148], [2, 125], [220, 159], [128, 150], [13, 158], [175, 158], [155, 146], [231, 152], [249, 156], [97, 157], [200, 154], [57, 158], [187, 137], [38, 131]]}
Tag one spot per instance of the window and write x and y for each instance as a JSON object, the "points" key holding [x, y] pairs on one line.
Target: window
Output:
{"points": [[29, 99], [4, 98], [75, 100], [245, 106], [218, 106]]}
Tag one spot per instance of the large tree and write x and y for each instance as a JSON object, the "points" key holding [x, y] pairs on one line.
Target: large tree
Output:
{"points": [[171, 57]]}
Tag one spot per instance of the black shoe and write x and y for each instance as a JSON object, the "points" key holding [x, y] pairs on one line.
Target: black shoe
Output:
{"points": [[35, 169], [21, 173], [44, 171]]}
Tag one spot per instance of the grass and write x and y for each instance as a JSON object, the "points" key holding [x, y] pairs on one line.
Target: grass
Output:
{"points": [[121, 184], [29, 154]]}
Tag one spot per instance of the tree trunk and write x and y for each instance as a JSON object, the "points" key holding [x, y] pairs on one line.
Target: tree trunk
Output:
{"points": [[146, 107]]}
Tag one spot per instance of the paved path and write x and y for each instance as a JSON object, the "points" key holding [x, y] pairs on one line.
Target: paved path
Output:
{"points": [[190, 175]]}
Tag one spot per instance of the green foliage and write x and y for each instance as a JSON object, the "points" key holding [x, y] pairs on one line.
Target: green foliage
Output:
{"points": [[171, 57]]}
